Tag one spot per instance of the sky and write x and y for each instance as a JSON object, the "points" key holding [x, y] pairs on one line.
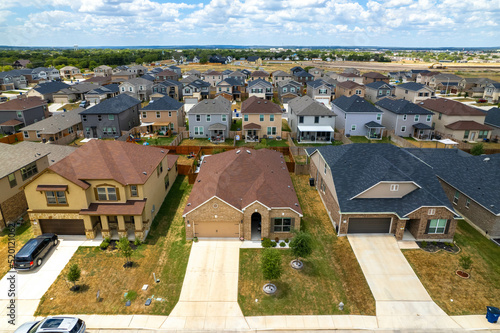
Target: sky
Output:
{"points": [[386, 23]]}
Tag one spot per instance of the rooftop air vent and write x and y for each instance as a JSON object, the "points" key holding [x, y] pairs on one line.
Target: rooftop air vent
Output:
{"points": [[206, 102], [249, 152], [189, 204], [162, 151], [144, 172], [238, 151], [296, 204], [486, 159]]}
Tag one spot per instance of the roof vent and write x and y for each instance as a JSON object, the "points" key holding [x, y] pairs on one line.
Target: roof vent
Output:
{"points": [[486, 159], [163, 152], [248, 151], [189, 204], [238, 151], [206, 102], [144, 172], [213, 102], [296, 204], [288, 186], [258, 102], [199, 180]]}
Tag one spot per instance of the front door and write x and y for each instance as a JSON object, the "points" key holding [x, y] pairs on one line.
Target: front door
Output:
{"points": [[94, 132], [472, 136], [256, 219]]}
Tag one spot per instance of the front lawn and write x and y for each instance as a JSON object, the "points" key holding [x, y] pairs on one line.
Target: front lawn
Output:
{"points": [[69, 107], [437, 273], [23, 234], [166, 253], [331, 274]]}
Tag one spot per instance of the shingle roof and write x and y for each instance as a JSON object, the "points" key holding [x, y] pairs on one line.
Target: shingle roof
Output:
{"points": [[375, 75], [495, 85], [349, 75], [493, 117], [354, 103], [20, 104], [306, 106], [303, 74], [113, 105], [349, 85], [259, 106], [253, 58], [259, 81], [218, 105], [231, 81], [280, 73], [318, 83], [243, 178], [165, 103], [108, 89], [57, 122], [401, 106], [377, 85], [413, 86], [50, 87], [259, 73], [199, 83], [352, 175], [289, 82], [450, 107], [166, 73], [467, 125]]}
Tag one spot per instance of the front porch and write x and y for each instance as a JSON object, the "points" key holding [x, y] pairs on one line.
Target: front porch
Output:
{"points": [[422, 131], [374, 130], [315, 134]]}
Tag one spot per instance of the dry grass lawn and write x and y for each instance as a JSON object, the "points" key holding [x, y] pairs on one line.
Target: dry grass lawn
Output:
{"points": [[23, 234], [69, 107], [331, 274], [437, 273], [205, 142], [165, 253]]}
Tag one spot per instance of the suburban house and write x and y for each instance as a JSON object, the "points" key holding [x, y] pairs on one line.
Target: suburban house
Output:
{"points": [[413, 92], [188, 79], [69, 72], [61, 128], [377, 90], [210, 118], [280, 76], [238, 76], [316, 72], [20, 112], [138, 70], [122, 76], [303, 77], [311, 120], [342, 77], [405, 118], [349, 88], [296, 69], [492, 92], [103, 70], [254, 60], [194, 72], [6, 82], [166, 75], [230, 88], [381, 189], [357, 117], [20, 163], [117, 192], [493, 119], [444, 79], [374, 77], [162, 115], [195, 91], [21, 63], [425, 77], [138, 88], [448, 87], [46, 90], [259, 75], [261, 119], [175, 69], [321, 91], [218, 59], [99, 94], [260, 88], [99, 80], [457, 120], [352, 70], [45, 74], [14, 79], [212, 77], [288, 90], [73, 93], [471, 184], [110, 117], [246, 194], [167, 88]]}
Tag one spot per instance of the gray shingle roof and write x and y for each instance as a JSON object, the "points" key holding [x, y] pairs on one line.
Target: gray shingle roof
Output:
{"points": [[113, 105], [413, 86], [303, 74], [493, 117], [108, 89], [378, 85], [353, 175], [306, 106], [57, 122], [199, 83], [50, 87], [164, 103], [232, 81], [259, 81], [318, 83], [401, 106], [218, 105], [354, 103]]}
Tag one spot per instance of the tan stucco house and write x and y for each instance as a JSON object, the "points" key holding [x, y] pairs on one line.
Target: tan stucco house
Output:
{"points": [[261, 119]]}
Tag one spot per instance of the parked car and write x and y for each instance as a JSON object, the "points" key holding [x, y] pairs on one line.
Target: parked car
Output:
{"points": [[84, 104], [31, 255], [4, 99], [53, 324]]}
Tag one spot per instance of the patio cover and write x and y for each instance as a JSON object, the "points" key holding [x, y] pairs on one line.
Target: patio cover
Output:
{"points": [[162, 123], [251, 126], [217, 127], [422, 126], [146, 124], [316, 129], [131, 207], [373, 124], [447, 142]]}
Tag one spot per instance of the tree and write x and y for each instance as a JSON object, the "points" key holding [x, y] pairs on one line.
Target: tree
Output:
{"points": [[301, 245], [74, 275], [477, 149], [271, 264], [203, 59], [124, 246]]}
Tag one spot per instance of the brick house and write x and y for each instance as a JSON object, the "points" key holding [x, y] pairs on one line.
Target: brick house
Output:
{"points": [[243, 193], [381, 189]]}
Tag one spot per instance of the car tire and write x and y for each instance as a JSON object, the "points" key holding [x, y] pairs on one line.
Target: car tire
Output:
{"points": [[56, 241], [39, 262]]}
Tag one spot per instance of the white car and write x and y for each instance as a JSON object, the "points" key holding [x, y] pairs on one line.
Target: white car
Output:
{"points": [[53, 325]]}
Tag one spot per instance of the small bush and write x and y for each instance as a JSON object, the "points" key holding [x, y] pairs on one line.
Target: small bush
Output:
{"points": [[137, 242], [107, 239], [274, 244], [104, 245], [195, 239], [434, 243], [287, 240], [465, 262], [267, 243], [424, 244], [449, 244], [282, 244]]}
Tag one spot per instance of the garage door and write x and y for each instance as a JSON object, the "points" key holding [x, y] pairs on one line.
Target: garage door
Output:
{"points": [[369, 226], [217, 229], [63, 227]]}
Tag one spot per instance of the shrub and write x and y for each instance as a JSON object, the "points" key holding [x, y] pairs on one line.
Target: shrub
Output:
{"points": [[195, 239], [477, 149], [465, 262], [74, 275], [273, 244], [137, 242], [301, 245], [104, 245], [287, 240], [267, 243], [271, 264], [282, 244], [424, 244], [434, 243]]}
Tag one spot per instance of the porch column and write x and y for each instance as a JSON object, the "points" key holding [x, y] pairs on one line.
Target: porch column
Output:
{"points": [[122, 230], [400, 229], [139, 228], [89, 230], [105, 227]]}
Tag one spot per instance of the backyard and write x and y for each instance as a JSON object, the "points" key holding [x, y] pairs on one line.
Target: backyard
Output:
{"points": [[264, 143], [205, 142], [159, 141], [455, 295], [363, 139], [164, 253], [331, 274]]}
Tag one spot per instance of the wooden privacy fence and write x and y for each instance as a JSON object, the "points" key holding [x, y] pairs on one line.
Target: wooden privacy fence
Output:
{"points": [[12, 138]]}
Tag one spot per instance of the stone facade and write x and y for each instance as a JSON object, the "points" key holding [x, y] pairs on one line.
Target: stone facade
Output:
{"points": [[12, 208], [35, 217], [420, 217]]}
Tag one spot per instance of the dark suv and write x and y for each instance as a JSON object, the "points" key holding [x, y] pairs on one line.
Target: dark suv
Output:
{"points": [[32, 253]]}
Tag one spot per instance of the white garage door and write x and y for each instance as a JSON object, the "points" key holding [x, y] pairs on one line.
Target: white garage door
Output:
{"points": [[189, 103]]}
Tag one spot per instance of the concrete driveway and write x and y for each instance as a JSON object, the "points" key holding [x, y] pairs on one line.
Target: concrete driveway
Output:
{"points": [[32, 285], [209, 295], [401, 299]]}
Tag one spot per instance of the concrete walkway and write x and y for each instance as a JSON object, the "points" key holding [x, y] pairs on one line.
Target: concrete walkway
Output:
{"points": [[401, 300]]}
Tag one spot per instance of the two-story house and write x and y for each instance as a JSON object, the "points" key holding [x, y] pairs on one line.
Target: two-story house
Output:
{"points": [[303, 77], [493, 119], [349, 88], [316, 72], [312, 121], [73, 93], [321, 91], [45, 74], [194, 72], [69, 72], [163, 115], [230, 88], [110, 117], [259, 75], [425, 77], [61, 128], [21, 63], [138, 88], [6, 82], [103, 70], [20, 112], [260, 88], [288, 90], [374, 77], [212, 77], [176, 70], [280, 76], [138, 70], [343, 77], [492, 92], [14, 79], [210, 118], [377, 90], [405, 118], [167, 88], [238, 76], [444, 79], [357, 117], [413, 92], [166, 75], [195, 91], [261, 119], [295, 70], [457, 120], [116, 192]]}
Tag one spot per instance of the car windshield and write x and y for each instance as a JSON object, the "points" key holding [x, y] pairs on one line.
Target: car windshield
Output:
{"points": [[27, 249], [34, 328]]}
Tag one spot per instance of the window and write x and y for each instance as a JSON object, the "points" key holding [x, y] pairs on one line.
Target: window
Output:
{"points": [[198, 130], [431, 211], [482, 135], [56, 197], [271, 131], [301, 119], [466, 135], [198, 117], [467, 203], [130, 89], [159, 169], [380, 92], [316, 120], [26, 134], [111, 117], [437, 226], [455, 197], [123, 88], [106, 194], [19, 114], [429, 118], [224, 117], [166, 180], [324, 169], [144, 114], [353, 127], [417, 117], [99, 117], [292, 89], [322, 91], [420, 94], [405, 117], [133, 191], [323, 186], [403, 128], [38, 133], [84, 118], [12, 180], [170, 113], [245, 117], [208, 117], [406, 91], [285, 89], [440, 116], [358, 92], [158, 114], [261, 117], [271, 117], [70, 130], [282, 224], [379, 116], [394, 187], [29, 170]]}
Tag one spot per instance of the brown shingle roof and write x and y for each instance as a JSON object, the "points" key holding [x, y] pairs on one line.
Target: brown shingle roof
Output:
{"points": [[259, 73], [468, 125], [259, 105], [121, 161], [429, 73], [349, 85], [167, 72], [130, 207], [22, 103], [375, 75], [349, 75], [11, 122], [450, 107], [243, 178], [252, 126], [98, 79], [213, 73]]}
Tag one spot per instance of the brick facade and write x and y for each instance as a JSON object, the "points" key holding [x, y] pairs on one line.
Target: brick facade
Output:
{"points": [[418, 224], [13, 208], [331, 205]]}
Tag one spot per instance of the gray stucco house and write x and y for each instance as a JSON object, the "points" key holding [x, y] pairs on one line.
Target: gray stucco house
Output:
{"points": [[210, 118], [110, 117], [405, 118], [377, 90], [321, 91], [311, 120]]}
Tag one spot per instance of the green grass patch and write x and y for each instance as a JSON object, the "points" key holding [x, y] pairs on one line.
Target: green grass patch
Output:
{"points": [[160, 141], [284, 126], [69, 107], [23, 234], [238, 125], [264, 143], [363, 139]]}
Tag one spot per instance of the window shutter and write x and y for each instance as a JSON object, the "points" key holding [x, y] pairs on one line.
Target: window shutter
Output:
{"points": [[95, 193], [117, 193], [427, 227], [292, 223], [447, 229]]}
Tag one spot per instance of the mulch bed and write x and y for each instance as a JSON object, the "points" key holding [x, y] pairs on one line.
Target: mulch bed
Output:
{"points": [[112, 245], [437, 246]]}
